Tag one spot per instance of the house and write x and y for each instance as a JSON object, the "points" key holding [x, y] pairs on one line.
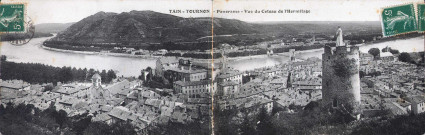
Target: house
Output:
{"points": [[189, 74], [103, 117], [387, 56], [195, 87], [365, 58], [165, 63], [251, 104], [418, 104], [14, 85], [228, 88], [232, 75], [272, 71], [280, 82], [395, 109], [71, 89], [119, 113]]}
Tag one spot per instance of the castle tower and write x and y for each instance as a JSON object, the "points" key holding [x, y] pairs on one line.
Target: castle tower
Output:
{"points": [[340, 77]]}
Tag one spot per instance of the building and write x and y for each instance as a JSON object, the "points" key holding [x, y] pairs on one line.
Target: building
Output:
{"points": [[194, 88], [96, 92], [72, 89], [14, 85], [227, 88], [182, 74], [165, 63], [251, 104], [231, 75], [365, 58], [340, 79], [387, 56], [418, 104]]}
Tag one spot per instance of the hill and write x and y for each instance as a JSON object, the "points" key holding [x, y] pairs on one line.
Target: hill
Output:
{"points": [[52, 27], [147, 27]]}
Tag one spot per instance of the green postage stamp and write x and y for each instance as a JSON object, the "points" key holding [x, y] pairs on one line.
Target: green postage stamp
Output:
{"points": [[398, 20], [12, 18], [421, 17]]}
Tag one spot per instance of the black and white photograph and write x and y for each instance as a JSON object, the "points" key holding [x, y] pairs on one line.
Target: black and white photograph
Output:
{"points": [[212, 67]]}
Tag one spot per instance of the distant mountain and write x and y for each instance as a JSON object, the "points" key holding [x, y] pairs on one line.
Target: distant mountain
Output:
{"points": [[147, 27], [153, 27], [52, 27], [325, 27]]}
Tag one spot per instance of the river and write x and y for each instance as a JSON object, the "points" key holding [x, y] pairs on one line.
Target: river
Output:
{"points": [[33, 52]]}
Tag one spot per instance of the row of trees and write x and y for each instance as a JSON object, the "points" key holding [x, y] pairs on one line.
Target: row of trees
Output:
{"points": [[247, 53], [39, 73], [404, 56], [10, 37], [297, 48], [375, 52]]}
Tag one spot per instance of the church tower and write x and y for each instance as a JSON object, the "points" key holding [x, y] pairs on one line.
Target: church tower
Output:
{"points": [[96, 80], [340, 77]]}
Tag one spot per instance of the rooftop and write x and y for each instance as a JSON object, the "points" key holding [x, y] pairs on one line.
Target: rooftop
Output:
{"points": [[228, 83], [228, 74], [192, 83], [193, 70], [14, 84]]}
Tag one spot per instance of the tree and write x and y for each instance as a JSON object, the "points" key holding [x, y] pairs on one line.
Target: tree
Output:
{"points": [[386, 49], [48, 87], [61, 117], [394, 51], [362, 74], [110, 76], [3, 58], [90, 73], [264, 124], [246, 127], [65, 75], [375, 52], [104, 76], [405, 57]]}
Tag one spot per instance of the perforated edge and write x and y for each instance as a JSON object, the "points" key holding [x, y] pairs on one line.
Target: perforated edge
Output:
{"points": [[397, 5], [24, 18], [418, 13]]}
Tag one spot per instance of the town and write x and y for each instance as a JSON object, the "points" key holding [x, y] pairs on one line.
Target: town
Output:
{"points": [[181, 90]]}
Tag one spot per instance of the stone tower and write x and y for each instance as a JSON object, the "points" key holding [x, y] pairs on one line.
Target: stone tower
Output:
{"points": [[340, 78]]}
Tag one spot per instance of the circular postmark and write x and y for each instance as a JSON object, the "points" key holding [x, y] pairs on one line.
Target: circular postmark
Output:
{"points": [[21, 38]]}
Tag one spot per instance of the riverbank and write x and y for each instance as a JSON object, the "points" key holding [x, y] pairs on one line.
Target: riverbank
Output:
{"points": [[101, 53], [284, 54]]}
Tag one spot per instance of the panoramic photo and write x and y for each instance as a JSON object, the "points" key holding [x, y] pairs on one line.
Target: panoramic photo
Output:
{"points": [[226, 67]]}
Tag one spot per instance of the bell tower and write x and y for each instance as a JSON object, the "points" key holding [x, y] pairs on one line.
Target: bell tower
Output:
{"points": [[96, 80]]}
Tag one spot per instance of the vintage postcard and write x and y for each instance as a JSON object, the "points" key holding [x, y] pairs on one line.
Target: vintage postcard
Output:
{"points": [[202, 67]]}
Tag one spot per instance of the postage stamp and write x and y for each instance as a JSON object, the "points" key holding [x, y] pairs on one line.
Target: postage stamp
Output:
{"points": [[21, 38], [12, 17], [421, 17], [398, 20]]}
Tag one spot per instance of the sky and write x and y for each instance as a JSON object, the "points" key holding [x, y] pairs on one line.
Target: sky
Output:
{"points": [[64, 11]]}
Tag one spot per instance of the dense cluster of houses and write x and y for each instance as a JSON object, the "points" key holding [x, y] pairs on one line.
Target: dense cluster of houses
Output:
{"points": [[398, 88]]}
